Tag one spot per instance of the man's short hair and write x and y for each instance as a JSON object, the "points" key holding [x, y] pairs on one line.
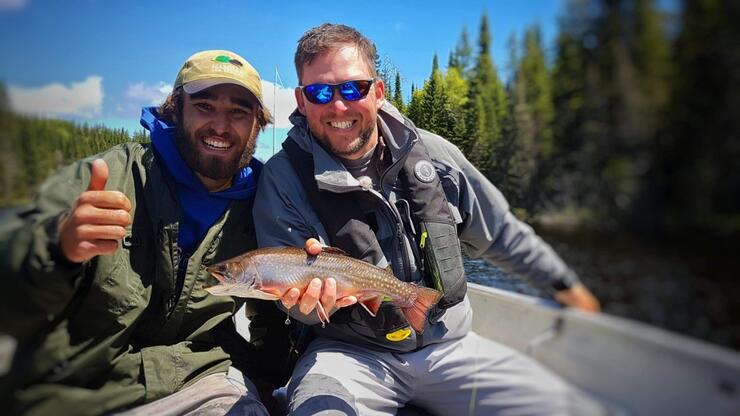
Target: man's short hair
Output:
{"points": [[327, 37], [171, 110]]}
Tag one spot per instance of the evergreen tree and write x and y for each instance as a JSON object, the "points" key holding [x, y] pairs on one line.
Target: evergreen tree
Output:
{"points": [[457, 95], [414, 110], [4, 100], [578, 103], [33, 148], [486, 84], [397, 95], [699, 179], [529, 149], [437, 115], [385, 69], [461, 57]]}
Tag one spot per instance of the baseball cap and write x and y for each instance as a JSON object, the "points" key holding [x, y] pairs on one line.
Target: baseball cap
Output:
{"points": [[214, 67]]}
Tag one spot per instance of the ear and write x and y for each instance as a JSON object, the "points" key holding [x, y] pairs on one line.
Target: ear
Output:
{"points": [[299, 100], [379, 87]]}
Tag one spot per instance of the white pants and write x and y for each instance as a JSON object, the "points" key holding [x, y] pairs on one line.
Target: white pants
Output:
{"points": [[468, 376], [215, 395]]}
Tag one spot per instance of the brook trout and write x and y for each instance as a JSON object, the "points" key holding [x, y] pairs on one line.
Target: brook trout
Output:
{"points": [[267, 273]]}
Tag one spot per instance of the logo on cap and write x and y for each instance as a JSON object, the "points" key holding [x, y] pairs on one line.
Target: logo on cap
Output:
{"points": [[224, 59], [424, 171]]}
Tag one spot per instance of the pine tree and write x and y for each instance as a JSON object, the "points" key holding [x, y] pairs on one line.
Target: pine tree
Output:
{"points": [[457, 94], [437, 115], [578, 100], [698, 169], [414, 109], [397, 95], [461, 57], [486, 84]]}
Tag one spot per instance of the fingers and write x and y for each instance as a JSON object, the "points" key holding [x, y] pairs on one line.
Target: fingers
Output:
{"points": [[100, 232], [88, 214], [312, 247], [98, 175], [318, 295], [105, 199], [579, 297], [97, 221], [345, 301], [97, 247], [310, 297], [329, 294], [290, 298]]}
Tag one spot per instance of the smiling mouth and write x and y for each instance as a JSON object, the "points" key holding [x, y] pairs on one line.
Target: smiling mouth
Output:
{"points": [[216, 144], [342, 125]]}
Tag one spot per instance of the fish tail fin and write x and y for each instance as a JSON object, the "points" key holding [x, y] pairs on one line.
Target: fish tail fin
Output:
{"points": [[416, 314]]}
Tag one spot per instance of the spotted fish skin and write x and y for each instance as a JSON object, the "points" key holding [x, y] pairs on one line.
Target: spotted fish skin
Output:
{"points": [[267, 273]]}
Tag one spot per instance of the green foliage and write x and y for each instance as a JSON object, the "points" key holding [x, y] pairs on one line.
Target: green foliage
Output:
{"points": [[31, 149], [698, 179], [397, 100], [461, 57], [431, 108], [634, 124], [484, 82], [529, 142]]}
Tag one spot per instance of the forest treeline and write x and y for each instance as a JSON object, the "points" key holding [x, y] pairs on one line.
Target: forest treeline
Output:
{"points": [[33, 148], [631, 120]]}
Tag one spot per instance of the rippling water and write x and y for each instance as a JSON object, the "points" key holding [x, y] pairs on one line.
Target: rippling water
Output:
{"points": [[686, 284]]}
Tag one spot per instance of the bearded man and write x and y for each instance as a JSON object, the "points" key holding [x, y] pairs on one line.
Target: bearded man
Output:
{"points": [[104, 272]]}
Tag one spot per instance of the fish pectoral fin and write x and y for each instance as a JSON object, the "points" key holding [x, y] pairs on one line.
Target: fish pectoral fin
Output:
{"points": [[333, 250], [371, 304]]}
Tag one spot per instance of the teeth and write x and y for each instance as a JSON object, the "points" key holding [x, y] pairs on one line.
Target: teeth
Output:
{"points": [[217, 143], [341, 124]]}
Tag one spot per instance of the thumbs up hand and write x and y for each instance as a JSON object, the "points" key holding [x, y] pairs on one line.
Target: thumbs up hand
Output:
{"points": [[97, 221]]}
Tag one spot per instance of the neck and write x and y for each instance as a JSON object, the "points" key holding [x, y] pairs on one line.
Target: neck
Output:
{"points": [[213, 185], [366, 149]]}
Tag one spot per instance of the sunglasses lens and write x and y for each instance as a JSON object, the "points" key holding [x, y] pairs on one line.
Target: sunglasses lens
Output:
{"points": [[355, 90], [319, 93], [350, 91]]}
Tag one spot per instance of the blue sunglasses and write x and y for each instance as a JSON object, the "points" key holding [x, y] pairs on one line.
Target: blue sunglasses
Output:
{"points": [[349, 90]]}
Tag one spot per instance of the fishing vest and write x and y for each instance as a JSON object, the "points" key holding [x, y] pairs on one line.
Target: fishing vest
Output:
{"points": [[347, 227]]}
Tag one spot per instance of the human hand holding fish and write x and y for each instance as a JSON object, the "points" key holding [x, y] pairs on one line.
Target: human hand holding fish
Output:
{"points": [[97, 220], [318, 293], [268, 273]]}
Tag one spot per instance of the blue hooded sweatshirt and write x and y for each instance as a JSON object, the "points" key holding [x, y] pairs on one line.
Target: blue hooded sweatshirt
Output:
{"points": [[200, 208]]}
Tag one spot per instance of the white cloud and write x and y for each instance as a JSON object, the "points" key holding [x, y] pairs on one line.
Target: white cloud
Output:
{"points": [[142, 93], [83, 99], [12, 4], [284, 101]]}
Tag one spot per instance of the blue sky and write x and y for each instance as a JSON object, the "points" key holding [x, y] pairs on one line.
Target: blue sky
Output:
{"points": [[100, 61]]}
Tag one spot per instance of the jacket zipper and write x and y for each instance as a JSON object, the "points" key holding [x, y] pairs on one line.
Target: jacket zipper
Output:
{"points": [[178, 261]]}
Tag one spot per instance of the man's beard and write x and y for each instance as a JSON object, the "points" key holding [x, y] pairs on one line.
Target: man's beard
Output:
{"points": [[209, 166], [359, 144]]}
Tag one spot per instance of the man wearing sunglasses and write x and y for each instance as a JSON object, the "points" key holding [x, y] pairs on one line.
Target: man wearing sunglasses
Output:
{"points": [[358, 175]]}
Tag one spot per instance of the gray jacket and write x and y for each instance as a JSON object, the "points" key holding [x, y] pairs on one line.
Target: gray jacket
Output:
{"points": [[486, 227]]}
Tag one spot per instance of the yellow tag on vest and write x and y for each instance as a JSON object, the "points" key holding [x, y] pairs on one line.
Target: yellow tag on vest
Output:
{"points": [[398, 335]]}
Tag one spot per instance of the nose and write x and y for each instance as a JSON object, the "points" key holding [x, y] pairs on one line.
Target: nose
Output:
{"points": [[220, 122], [338, 104]]}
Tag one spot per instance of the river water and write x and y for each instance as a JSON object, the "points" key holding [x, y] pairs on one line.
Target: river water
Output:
{"points": [[686, 284]]}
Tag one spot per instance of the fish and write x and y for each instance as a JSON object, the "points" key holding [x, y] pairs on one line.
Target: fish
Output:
{"points": [[267, 273]]}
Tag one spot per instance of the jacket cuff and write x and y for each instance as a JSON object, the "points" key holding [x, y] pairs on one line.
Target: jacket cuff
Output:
{"points": [[567, 282], [52, 259]]}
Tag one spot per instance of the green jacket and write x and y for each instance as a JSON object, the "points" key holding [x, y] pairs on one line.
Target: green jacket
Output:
{"points": [[112, 333]]}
